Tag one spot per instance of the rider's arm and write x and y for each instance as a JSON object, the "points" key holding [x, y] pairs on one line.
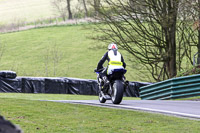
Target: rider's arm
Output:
{"points": [[124, 64], [103, 59]]}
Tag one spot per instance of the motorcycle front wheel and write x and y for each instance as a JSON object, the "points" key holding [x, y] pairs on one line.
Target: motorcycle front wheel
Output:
{"points": [[101, 98], [117, 91]]}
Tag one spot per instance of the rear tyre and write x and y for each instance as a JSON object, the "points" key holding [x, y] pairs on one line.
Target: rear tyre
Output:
{"points": [[117, 92]]}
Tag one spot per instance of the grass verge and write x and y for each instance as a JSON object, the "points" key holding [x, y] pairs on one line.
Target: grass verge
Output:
{"points": [[53, 96], [197, 98], [49, 117]]}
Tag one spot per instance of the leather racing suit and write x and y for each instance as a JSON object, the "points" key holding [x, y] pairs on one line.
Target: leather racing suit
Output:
{"points": [[115, 61]]}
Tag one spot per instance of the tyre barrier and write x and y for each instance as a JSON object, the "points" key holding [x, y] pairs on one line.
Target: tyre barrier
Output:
{"points": [[8, 74], [63, 85]]}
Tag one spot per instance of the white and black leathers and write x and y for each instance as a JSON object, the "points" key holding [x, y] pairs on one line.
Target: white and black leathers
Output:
{"points": [[110, 56]]}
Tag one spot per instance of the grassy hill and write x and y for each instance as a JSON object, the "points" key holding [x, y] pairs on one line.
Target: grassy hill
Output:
{"points": [[16, 11], [61, 51], [24, 10]]}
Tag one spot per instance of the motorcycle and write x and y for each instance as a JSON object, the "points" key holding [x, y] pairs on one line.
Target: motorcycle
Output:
{"points": [[116, 87]]}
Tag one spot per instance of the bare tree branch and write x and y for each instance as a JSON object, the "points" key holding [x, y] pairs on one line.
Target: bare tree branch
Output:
{"points": [[148, 34]]}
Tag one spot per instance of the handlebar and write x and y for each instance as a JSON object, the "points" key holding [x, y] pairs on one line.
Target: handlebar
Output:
{"points": [[95, 70]]}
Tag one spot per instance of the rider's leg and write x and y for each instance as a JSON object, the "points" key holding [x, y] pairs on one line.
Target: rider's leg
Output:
{"points": [[105, 78], [102, 77]]}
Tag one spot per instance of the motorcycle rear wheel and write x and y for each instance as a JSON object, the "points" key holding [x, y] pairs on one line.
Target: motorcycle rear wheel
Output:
{"points": [[117, 92]]}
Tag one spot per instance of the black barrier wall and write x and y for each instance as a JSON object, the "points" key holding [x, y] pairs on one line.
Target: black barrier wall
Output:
{"points": [[60, 86], [10, 85], [33, 85]]}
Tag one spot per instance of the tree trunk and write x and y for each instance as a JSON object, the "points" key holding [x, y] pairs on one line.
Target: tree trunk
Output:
{"points": [[198, 45], [171, 62], [85, 8], [69, 9], [172, 9], [96, 6]]}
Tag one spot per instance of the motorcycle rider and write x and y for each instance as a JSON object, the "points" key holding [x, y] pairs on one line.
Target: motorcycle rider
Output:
{"points": [[115, 61]]}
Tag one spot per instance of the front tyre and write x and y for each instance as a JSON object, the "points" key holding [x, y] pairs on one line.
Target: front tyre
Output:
{"points": [[117, 92], [101, 98]]}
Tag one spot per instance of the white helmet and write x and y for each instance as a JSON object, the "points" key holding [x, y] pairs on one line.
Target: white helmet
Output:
{"points": [[112, 46]]}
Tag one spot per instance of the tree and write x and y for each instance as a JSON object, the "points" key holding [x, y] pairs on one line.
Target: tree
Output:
{"points": [[186, 36], [60, 8], [63, 6], [148, 33], [85, 8], [69, 9], [97, 6], [198, 60], [84, 4], [189, 29], [197, 9]]}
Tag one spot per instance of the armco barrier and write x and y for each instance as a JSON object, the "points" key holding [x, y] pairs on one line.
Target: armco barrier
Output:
{"points": [[181, 87]]}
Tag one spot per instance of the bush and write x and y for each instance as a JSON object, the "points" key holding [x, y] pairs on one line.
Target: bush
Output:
{"points": [[191, 71]]}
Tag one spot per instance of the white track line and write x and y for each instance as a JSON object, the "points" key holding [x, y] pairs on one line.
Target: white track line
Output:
{"points": [[162, 111]]}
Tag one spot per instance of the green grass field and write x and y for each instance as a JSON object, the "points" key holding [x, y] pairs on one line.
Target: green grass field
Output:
{"points": [[34, 52], [53, 96], [13, 11], [50, 117], [62, 51], [24, 10]]}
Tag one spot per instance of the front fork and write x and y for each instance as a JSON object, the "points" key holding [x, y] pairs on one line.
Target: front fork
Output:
{"points": [[110, 88]]}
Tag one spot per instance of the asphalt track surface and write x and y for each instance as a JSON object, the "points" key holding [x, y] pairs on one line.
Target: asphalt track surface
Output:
{"points": [[188, 109]]}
